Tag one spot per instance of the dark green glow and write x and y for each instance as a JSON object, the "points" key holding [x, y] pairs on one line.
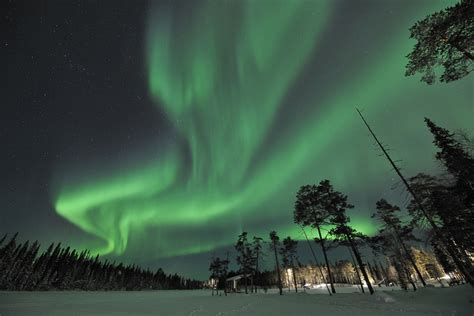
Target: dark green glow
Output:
{"points": [[223, 76]]}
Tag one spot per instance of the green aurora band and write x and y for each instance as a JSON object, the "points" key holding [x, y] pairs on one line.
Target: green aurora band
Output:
{"points": [[223, 76]]}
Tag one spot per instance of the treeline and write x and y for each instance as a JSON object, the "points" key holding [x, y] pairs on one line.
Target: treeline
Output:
{"points": [[22, 267], [345, 272], [442, 207]]}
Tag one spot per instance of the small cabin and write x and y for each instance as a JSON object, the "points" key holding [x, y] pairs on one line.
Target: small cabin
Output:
{"points": [[237, 283]]}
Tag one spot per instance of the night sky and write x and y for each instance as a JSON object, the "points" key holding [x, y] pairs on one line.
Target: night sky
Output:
{"points": [[156, 132]]}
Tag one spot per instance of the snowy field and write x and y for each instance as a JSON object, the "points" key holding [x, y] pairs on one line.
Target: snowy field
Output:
{"points": [[456, 301]]}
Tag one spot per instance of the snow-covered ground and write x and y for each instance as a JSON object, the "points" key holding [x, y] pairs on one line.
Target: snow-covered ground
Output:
{"points": [[455, 301]]}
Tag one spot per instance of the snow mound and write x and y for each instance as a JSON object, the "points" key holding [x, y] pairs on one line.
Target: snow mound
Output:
{"points": [[384, 297]]}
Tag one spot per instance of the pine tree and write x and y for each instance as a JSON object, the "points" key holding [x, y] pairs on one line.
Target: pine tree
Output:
{"points": [[386, 213], [337, 204], [347, 244], [310, 210], [444, 39], [215, 268], [246, 258], [443, 258], [289, 252], [274, 245], [257, 251]]}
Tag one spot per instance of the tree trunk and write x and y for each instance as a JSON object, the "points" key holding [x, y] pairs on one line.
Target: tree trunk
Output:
{"points": [[245, 282], [357, 271], [316, 262], [277, 268], [409, 256], [385, 270], [361, 265], [400, 272], [466, 270], [373, 274], [326, 260], [379, 272], [407, 273], [402, 262], [454, 240], [256, 272], [225, 285], [251, 283], [294, 277], [289, 281]]}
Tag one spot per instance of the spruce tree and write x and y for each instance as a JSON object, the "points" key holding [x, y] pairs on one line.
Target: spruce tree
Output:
{"points": [[456, 159], [57, 268]]}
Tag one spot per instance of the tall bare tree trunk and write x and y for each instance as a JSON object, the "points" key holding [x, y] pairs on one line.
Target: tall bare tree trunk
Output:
{"points": [[277, 268], [225, 274], [326, 260], [256, 271], [413, 285], [251, 283], [289, 281], [409, 256], [467, 271], [384, 273], [294, 277], [408, 276], [372, 272], [361, 265], [316, 261], [245, 281], [356, 270]]}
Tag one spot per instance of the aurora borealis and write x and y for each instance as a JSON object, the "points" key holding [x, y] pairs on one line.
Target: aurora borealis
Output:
{"points": [[251, 100]]}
